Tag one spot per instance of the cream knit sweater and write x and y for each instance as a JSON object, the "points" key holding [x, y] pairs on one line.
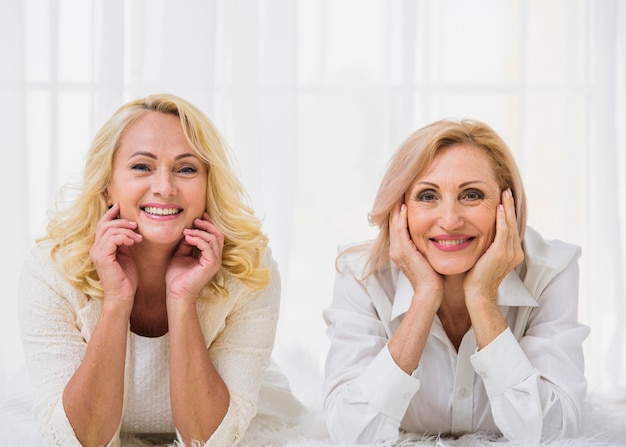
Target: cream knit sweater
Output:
{"points": [[57, 322]]}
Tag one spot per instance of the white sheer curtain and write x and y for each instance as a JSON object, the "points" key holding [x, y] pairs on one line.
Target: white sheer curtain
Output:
{"points": [[313, 96]]}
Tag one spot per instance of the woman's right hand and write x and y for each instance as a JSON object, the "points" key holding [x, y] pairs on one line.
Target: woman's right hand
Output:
{"points": [[111, 256], [407, 343], [403, 252]]}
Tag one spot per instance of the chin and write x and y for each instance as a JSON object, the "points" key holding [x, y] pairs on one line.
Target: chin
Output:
{"points": [[161, 238], [450, 272], [451, 269]]}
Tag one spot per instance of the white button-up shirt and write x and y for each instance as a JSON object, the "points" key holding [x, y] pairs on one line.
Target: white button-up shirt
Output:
{"points": [[528, 384]]}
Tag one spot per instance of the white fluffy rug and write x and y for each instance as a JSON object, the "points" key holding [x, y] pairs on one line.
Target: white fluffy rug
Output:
{"points": [[603, 425]]}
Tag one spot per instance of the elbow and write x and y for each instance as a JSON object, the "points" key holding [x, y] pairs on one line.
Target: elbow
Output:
{"points": [[557, 419], [561, 421], [338, 429], [353, 425]]}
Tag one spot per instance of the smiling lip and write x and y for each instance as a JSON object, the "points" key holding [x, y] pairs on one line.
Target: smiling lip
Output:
{"points": [[451, 243], [161, 211]]}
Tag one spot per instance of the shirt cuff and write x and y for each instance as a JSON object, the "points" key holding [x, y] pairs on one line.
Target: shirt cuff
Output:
{"points": [[387, 387], [502, 364]]}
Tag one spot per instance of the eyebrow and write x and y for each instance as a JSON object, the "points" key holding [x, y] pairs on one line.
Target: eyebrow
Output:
{"points": [[462, 185], [151, 155]]}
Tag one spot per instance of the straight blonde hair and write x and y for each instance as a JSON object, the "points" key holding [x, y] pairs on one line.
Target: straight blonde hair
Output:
{"points": [[415, 155]]}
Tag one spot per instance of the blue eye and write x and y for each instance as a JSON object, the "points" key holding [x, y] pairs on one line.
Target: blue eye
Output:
{"points": [[187, 170], [472, 195], [140, 167], [427, 196]]}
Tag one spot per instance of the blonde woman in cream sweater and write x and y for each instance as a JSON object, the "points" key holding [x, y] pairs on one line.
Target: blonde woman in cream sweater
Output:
{"points": [[151, 305]]}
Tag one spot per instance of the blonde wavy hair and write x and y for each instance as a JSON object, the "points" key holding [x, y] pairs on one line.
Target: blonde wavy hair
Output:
{"points": [[72, 229], [415, 155]]}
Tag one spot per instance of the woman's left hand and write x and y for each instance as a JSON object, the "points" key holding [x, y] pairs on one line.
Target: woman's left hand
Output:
{"points": [[502, 256], [187, 275]]}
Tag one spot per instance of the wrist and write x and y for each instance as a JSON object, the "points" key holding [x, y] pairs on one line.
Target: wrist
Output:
{"points": [[118, 307], [181, 306], [427, 300]]}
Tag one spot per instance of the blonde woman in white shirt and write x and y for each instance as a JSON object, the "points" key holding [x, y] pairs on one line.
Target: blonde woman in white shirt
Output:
{"points": [[457, 318], [150, 307]]}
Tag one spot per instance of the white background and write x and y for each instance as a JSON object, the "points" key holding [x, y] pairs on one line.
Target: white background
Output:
{"points": [[313, 96]]}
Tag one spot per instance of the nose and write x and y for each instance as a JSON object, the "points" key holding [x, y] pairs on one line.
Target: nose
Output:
{"points": [[451, 216], [164, 183]]}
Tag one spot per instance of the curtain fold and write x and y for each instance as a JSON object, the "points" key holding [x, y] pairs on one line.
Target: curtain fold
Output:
{"points": [[14, 225], [313, 96], [109, 59], [607, 227]]}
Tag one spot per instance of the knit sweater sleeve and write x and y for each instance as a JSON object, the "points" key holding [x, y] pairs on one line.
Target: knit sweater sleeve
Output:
{"points": [[241, 354], [54, 343]]}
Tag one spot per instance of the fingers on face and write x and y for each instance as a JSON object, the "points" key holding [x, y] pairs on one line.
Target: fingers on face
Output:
{"points": [[109, 241], [507, 226], [507, 220], [398, 217], [399, 239], [203, 239], [206, 237], [206, 225], [116, 231], [112, 212]]}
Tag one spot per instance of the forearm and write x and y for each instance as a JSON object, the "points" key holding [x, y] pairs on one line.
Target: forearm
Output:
{"points": [[407, 343], [199, 396], [93, 397], [487, 320]]}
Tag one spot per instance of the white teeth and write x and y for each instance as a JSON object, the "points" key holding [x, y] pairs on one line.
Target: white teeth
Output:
{"points": [[161, 211], [452, 241]]}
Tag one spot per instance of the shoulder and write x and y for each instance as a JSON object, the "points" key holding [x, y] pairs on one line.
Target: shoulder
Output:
{"points": [[40, 279], [39, 254], [268, 261], [550, 254], [38, 264], [353, 275], [241, 293], [353, 258], [272, 290], [546, 259]]}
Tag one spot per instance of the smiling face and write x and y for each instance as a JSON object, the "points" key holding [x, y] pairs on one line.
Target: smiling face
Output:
{"points": [[157, 179], [452, 209]]}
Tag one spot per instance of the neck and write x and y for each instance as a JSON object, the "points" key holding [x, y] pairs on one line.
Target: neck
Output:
{"points": [[152, 261], [453, 312], [149, 314], [453, 293]]}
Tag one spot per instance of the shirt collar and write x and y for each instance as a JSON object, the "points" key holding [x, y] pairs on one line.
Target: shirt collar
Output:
{"points": [[512, 292]]}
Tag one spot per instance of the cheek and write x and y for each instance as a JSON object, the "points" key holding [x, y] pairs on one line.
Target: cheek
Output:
{"points": [[198, 200], [486, 222], [199, 195], [417, 223]]}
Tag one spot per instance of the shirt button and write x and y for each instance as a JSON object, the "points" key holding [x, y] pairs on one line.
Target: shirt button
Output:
{"points": [[463, 392], [406, 395]]}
